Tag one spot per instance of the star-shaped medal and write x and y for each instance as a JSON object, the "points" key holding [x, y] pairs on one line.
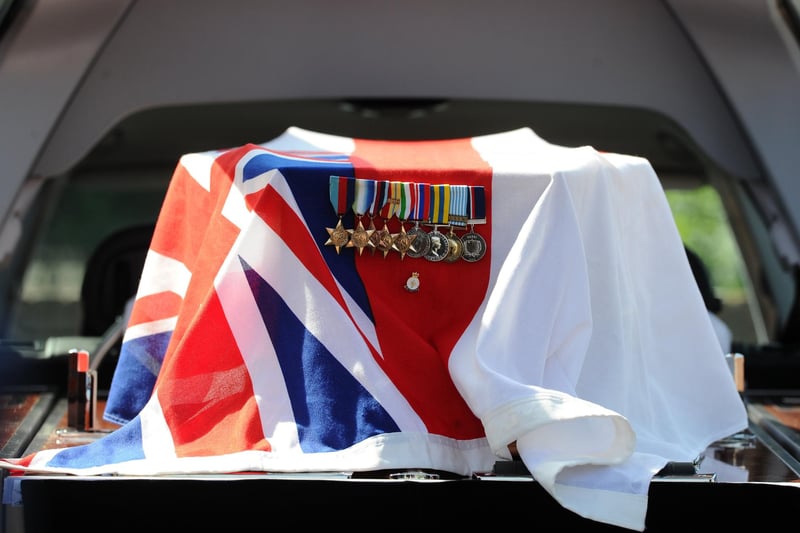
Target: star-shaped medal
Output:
{"points": [[401, 242], [338, 236], [360, 237], [385, 240]]}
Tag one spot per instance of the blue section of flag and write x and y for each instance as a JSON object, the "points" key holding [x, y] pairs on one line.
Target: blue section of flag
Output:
{"points": [[332, 410], [309, 181], [138, 371], [124, 444]]}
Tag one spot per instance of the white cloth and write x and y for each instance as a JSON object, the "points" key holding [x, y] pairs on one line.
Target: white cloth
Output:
{"points": [[619, 372]]}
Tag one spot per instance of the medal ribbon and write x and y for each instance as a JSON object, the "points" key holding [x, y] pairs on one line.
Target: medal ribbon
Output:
{"points": [[440, 204], [477, 205], [381, 192], [342, 191], [458, 206], [364, 196], [405, 195], [385, 207], [422, 208]]}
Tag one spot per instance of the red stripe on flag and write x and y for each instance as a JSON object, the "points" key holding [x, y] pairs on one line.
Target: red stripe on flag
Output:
{"points": [[200, 221], [208, 402], [155, 307]]}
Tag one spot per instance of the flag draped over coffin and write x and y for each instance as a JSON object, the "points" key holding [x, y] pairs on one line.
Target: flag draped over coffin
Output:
{"points": [[256, 345]]}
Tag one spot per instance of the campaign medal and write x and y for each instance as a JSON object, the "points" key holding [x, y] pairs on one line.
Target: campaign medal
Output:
{"points": [[385, 238], [458, 217], [359, 237], [412, 283], [405, 194], [364, 197], [338, 236], [440, 246], [381, 194], [455, 248], [474, 246], [341, 193], [402, 241], [473, 243], [440, 205], [421, 243]]}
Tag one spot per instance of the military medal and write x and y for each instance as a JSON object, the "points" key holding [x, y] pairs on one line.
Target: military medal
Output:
{"points": [[401, 242], [412, 283], [364, 197], [474, 245], [440, 246], [341, 193], [421, 243], [440, 205], [385, 239], [381, 194], [458, 217], [454, 248], [405, 194]]}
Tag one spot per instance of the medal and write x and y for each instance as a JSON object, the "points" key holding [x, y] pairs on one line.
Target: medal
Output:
{"points": [[474, 245], [338, 236], [454, 248], [405, 195], [341, 191], [364, 197], [440, 207], [359, 237], [381, 194], [458, 217], [421, 243], [440, 246], [385, 238], [402, 241]]}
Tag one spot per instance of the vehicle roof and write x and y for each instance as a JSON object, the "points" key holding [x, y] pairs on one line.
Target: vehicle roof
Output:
{"points": [[70, 73]]}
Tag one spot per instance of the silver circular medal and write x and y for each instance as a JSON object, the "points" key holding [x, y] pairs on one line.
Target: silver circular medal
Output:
{"points": [[440, 246], [474, 247], [421, 244]]}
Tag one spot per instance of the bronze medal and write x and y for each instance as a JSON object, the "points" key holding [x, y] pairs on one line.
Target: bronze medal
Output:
{"points": [[385, 240], [402, 241], [338, 236], [359, 237], [374, 237], [455, 247]]}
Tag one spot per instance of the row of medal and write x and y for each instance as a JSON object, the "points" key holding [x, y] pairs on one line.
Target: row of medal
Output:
{"points": [[422, 204]]}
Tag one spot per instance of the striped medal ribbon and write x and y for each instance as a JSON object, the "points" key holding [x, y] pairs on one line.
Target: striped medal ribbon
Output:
{"points": [[440, 215], [341, 190], [474, 245], [421, 243], [364, 198]]}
